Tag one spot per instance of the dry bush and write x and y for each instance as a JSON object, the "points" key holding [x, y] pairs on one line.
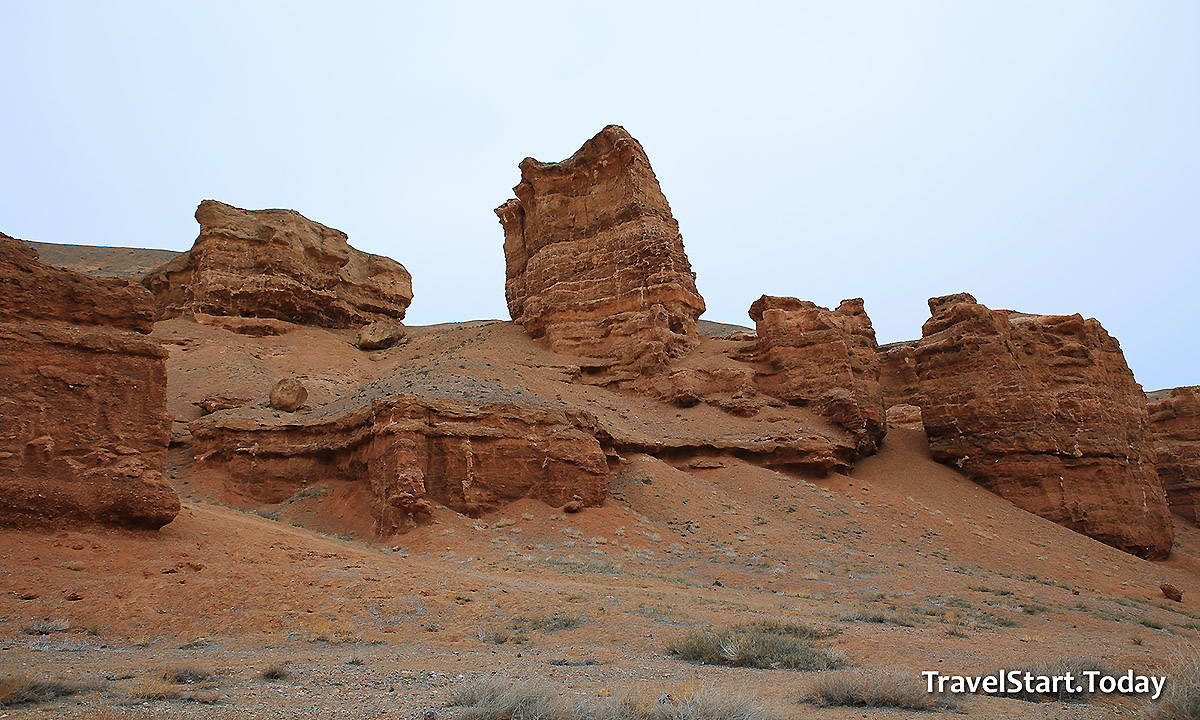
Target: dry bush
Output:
{"points": [[764, 644], [491, 700], [334, 632], [23, 690], [877, 689], [47, 626], [187, 675], [1181, 698], [881, 617], [276, 671]]}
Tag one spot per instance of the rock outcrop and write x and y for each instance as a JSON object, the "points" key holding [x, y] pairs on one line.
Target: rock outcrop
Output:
{"points": [[278, 264], [1043, 411], [826, 360], [1175, 425], [85, 428], [412, 448], [898, 373], [595, 262]]}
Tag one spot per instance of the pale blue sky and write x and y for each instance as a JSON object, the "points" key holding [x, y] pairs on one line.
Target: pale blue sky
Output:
{"points": [[1043, 156]]}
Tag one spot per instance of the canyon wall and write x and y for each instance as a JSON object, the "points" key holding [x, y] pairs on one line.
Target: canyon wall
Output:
{"points": [[1175, 425], [84, 400], [1044, 411]]}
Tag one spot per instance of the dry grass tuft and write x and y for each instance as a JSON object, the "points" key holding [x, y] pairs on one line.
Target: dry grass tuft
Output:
{"points": [[276, 671], [187, 675], [23, 690], [334, 632], [764, 644], [1181, 699], [877, 689], [491, 700]]}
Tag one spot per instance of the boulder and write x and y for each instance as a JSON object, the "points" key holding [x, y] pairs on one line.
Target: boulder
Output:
{"points": [[595, 264], [825, 360], [288, 395], [1175, 426], [1044, 411], [379, 335], [85, 429], [1171, 592], [278, 264]]}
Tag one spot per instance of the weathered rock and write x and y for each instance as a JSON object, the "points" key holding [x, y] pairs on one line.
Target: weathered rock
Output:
{"points": [[595, 262], [278, 264], [824, 360], [217, 402], [1175, 425], [1171, 592], [412, 450], [379, 335], [898, 373], [904, 415], [288, 395], [85, 428], [1043, 410]]}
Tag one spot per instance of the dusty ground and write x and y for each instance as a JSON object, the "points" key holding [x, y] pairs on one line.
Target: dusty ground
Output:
{"points": [[913, 566]]}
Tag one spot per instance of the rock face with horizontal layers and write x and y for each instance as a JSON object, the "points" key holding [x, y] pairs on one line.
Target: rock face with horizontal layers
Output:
{"points": [[1175, 425], [85, 428], [898, 373], [410, 449], [826, 360], [278, 264], [595, 262], [1043, 411]]}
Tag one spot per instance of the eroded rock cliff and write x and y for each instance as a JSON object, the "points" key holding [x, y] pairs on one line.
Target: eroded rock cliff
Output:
{"points": [[595, 261], [278, 264], [826, 360], [1044, 411], [1175, 425], [85, 428]]}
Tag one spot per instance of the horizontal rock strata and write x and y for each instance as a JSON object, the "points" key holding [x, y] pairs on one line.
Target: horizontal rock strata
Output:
{"points": [[1044, 411], [1175, 425], [85, 428], [278, 264]]}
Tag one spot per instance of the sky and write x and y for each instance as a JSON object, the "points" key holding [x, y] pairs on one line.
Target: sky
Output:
{"points": [[1041, 155]]}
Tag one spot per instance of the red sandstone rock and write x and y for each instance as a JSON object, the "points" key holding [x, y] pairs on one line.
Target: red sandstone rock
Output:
{"points": [[1171, 592], [1043, 410], [278, 264], [379, 335], [1175, 425], [288, 395], [410, 451], [825, 360], [595, 262], [85, 429], [898, 373]]}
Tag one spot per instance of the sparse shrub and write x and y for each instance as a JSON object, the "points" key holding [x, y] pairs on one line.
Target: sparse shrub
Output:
{"points": [[491, 700], [877, 689], [882, 617], [276, 671], [187, 675], [356, 658], [502, 636], [23, 691], [47, 626], [765, 644], [1181, 699], [550, 623], [334, 632]]}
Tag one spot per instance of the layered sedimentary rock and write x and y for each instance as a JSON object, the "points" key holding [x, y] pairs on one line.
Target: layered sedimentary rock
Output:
{"points": [[278, 264], [595, 262], [898, 373], [83, 399], [1043, 411], [412, 448], [826, 360], [1175, 425]]}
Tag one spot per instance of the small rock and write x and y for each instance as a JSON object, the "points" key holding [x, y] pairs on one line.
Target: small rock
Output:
{"points": [[573, 506], [288, 395], [379, 335], [1171, 592]]}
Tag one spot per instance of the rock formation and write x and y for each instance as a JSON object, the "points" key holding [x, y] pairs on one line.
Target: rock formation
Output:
{"points": [[278, 264], [85, 429], [595, 262], [898, 373], [1043, 411], [824, 360], [412, 448], [1175, 425], [379, 335]]}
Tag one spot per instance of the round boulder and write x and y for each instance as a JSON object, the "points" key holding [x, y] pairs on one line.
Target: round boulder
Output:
{"points": [[379, 335], [288, 395]]}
